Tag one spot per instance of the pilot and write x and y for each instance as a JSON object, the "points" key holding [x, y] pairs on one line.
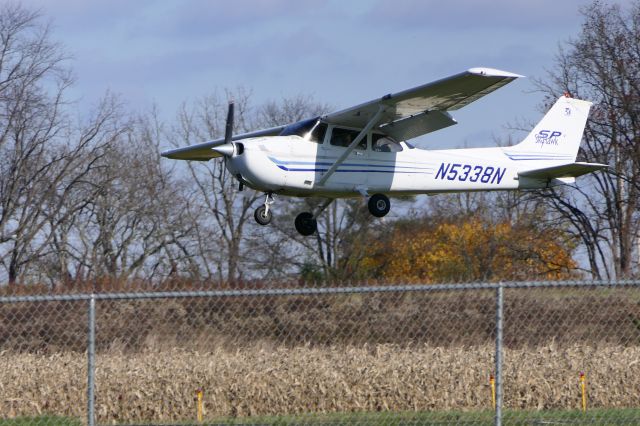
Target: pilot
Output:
{"points": [[382, 145]]}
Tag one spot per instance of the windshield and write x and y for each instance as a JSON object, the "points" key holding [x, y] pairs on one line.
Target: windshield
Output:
{"points": [[312, 130]]}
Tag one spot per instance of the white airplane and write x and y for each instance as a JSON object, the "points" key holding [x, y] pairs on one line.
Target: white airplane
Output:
{"points": [[363, 150]]}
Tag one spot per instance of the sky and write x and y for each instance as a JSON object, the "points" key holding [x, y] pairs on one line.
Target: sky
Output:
{"points": [[340, 52]]}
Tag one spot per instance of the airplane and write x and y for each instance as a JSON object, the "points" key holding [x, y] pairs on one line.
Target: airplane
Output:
{"points": [[363, 151]]}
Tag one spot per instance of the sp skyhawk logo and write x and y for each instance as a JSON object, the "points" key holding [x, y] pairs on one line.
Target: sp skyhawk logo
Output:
{"points": [[547, 137]]}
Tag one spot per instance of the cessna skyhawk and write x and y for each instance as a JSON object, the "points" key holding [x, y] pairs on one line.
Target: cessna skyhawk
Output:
{"points": [[363, 150]]}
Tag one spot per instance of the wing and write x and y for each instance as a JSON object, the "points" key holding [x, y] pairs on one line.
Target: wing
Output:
{"points": [[423, 109], [407, 114], [203, 152]]}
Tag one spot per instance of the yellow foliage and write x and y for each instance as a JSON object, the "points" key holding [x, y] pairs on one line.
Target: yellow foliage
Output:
{"points": [[473, 250]]}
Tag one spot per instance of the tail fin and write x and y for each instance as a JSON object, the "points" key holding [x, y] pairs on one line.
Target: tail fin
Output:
{"points": [[557, 136]]}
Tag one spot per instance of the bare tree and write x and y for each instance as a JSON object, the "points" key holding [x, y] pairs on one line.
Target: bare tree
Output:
{"points": [[289, 110], [603, 65], [70, 187], [128, 220], [232, 246], [42, 156], [223, 212], [330, 253]]}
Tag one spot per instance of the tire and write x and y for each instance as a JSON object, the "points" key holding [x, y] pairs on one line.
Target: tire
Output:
{"points": [[262, 216], [379, 205], [305, 224]]}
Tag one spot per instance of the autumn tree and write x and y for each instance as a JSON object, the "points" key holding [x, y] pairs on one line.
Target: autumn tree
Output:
{"points": [[472, 236], [470, 250]]}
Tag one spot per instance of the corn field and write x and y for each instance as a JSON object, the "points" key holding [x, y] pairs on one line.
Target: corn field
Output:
{"points": [[570, 352]]}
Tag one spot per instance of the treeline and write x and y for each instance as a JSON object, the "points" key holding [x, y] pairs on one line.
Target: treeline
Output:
{"points": [[86, 198]]}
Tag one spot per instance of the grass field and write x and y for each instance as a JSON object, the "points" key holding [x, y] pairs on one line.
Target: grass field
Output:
{"points": [[43, 420], [591, 417]]}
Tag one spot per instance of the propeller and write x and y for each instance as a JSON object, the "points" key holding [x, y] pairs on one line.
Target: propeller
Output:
{"points": [[227, 149], [228, 130]]}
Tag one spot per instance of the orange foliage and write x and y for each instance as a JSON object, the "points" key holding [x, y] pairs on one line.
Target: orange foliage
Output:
{"points": [[473, 250]]}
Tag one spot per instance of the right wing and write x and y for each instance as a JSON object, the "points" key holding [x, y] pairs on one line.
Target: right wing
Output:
{"points": [[203, 152], [423, 109]]}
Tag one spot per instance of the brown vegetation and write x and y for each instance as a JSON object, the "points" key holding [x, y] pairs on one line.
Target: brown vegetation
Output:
{"points": [[533, 317], [261, 379], [319, 354]]}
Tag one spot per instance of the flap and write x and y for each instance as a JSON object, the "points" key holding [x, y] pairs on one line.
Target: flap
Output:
{"points": [[418, 125]]}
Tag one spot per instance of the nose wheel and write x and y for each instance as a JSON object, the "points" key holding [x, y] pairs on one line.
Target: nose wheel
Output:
{"points": [[263, 215]]}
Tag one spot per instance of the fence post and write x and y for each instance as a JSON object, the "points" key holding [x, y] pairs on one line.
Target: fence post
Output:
{"points": [[91, 362], [499, 311]]}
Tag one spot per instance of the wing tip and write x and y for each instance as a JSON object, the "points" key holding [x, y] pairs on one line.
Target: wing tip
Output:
{"points": [[168, 153], [493, 72], [185, 154]]}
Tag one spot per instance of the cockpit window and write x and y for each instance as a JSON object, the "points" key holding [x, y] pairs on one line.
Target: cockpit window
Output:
{"points": [[310, 130], [383, 143], [344, 137]]}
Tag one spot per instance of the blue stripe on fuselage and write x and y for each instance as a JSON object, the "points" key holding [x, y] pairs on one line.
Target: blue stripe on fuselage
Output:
{"points": [[285, 165]]}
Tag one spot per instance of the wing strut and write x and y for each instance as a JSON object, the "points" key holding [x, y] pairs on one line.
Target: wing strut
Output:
{"points": [[354, 143]]}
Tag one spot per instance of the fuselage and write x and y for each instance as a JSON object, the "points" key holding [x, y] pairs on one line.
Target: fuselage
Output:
{"points": [[355, 153], [291, 165]]}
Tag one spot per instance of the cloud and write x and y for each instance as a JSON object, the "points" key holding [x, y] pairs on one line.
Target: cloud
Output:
{"points": [[460, 15], [168, 21], [344, 51], [204, 17]]}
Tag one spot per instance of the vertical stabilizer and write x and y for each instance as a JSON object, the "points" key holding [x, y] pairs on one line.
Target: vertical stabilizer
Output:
{"points": [[557, 136]]}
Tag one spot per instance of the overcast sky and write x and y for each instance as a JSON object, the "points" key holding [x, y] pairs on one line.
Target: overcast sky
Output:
{"points": [[341, 52]]}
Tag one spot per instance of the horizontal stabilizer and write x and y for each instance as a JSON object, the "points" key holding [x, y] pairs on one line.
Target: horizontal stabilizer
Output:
{"points": [[564, 171]]}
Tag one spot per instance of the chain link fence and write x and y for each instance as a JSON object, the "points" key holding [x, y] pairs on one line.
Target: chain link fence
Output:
{"points": [[513, 353]]}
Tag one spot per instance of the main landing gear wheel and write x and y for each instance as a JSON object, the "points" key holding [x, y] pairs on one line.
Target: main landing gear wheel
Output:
{"points": [[379, 205], [262, 215], [306, 224]]}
